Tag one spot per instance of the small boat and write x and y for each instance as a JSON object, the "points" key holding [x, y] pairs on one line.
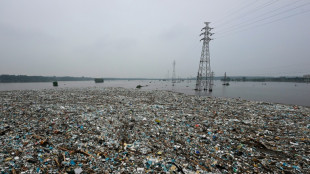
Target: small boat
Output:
{"points": [[99, 80], [55, 83]]}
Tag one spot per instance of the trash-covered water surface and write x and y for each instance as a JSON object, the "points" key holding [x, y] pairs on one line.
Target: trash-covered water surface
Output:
{"points": [[104, 130]]}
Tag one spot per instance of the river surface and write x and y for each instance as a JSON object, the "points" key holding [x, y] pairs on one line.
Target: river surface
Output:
{"points": [[276, 92]]}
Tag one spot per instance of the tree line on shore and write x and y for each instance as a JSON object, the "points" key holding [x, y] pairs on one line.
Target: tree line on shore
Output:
{"points": [[269, 79], [25, 78]]}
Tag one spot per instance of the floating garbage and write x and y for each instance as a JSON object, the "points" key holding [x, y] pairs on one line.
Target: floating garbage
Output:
{"points": [[139, 86], [116, 130]]}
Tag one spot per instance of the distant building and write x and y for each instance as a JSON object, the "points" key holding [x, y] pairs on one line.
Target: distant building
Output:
{"points": [[306, 76]]}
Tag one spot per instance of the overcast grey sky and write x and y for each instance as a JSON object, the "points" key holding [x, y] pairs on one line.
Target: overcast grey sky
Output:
{"points": [[141, 38]]}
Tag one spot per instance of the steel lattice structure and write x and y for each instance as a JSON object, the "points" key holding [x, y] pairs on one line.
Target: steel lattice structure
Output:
{"points": [[173, 74], [205, 76]]}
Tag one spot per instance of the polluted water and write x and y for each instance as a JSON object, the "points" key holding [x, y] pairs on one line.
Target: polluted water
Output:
{"points": [[117, 130]]}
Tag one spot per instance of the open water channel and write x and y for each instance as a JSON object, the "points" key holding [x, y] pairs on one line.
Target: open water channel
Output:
{"points": [[276, 92]]}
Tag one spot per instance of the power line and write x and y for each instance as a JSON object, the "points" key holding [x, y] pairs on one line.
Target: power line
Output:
{"points": [[246, 13], [228, 14], [236, 11], [253, 22], [296, 14], [250, 21], [236, 31]]}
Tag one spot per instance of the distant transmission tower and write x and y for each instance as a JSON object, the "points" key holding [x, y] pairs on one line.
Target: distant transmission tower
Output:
{"points": [[211, 81], [204, 76], [173, 74]]}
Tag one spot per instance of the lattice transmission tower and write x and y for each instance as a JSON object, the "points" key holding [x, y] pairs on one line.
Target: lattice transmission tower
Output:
{"points": [[205, 76], [173, 74]]}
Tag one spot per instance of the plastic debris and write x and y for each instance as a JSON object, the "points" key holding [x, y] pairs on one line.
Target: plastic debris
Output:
{"points": [[78, 170], [116, 130]]}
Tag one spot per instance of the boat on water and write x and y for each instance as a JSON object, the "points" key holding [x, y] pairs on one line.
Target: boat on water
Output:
{"points": [[55, 83], [99, 80]]}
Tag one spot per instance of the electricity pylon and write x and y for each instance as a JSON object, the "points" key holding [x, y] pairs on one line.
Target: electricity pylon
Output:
{"points": [[173, 74], [204, 76]]}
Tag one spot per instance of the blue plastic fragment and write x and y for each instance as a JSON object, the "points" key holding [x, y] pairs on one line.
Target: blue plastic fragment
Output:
{"points": [[214, 137], [72, 163], [296, 167], [147, 165], [169, 166]]}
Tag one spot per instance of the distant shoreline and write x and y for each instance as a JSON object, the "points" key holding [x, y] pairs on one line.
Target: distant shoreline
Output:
{"points": [[34, 79]]}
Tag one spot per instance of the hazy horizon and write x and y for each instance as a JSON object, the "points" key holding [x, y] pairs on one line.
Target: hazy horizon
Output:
{"points": [[141, 39]]}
